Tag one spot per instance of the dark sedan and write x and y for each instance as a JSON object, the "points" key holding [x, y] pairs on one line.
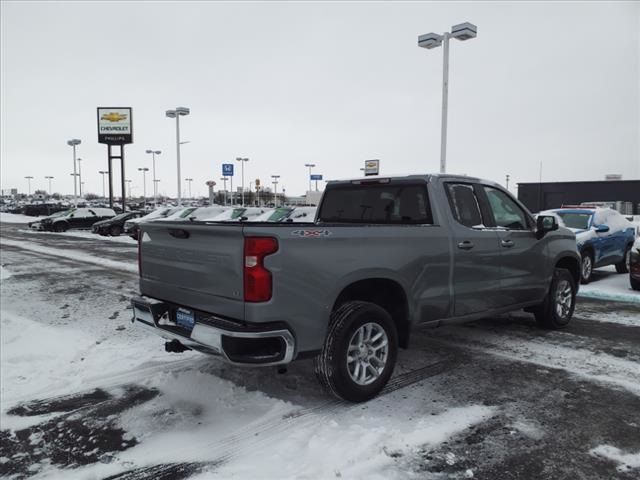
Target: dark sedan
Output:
{"points": [[114, 226], [634, 266]]}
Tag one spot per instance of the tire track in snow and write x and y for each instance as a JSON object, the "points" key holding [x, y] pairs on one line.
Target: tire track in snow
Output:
{"points": [[589, 364]]}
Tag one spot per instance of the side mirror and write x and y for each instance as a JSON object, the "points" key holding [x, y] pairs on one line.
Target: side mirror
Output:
{"points": [[544, 224], [602, 229]]}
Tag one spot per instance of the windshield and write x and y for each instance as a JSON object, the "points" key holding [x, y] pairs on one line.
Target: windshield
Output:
{"points": [[575, 220], [277, 215], [158, 213]]}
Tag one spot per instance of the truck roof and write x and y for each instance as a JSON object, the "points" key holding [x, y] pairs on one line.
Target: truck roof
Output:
{"points": [[427, 177]]}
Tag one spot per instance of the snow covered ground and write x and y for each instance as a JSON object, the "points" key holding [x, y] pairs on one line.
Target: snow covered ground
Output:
{"points": [[607, 284], [15, 218], [86, 395]]}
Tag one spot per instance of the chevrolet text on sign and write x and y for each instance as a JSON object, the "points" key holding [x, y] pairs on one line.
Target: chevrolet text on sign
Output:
{"points": [[115, 125]]}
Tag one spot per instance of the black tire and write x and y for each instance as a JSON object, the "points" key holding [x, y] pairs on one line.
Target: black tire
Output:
{"points": [[331, 364], [60, 227], [635, 284], [623, 265], [586, 271], [115, 230], [554, 313]]}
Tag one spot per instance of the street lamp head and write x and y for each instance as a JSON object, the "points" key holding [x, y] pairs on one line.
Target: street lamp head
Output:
{"points": [[182, 111], [170, 113], [464, 31], [158, 152], [74, 141], [430, 40], [148, 151], [310, 165], [143, 169]]}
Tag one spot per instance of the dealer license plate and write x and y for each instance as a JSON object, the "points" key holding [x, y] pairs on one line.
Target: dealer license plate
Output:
{"points": [[185, 318]]}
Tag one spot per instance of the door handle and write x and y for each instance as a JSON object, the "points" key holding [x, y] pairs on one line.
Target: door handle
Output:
{"points": [[507, 243], [466, 245]]}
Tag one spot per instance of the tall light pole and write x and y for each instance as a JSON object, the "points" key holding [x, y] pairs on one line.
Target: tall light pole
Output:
{"points": [[155, 184], [507, 182], [242, 161], [29, 178], [144, 171], [128, 187], [49, 177], [275, 189], [224, 179], [310, 166], [189, 180], [177, 113], [463, 31], [73, 142], [79, 160], [103, 173]]}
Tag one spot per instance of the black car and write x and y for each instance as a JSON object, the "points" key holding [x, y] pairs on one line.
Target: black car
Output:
{"points": [[634, 266], [74, 218], [114, 226]]}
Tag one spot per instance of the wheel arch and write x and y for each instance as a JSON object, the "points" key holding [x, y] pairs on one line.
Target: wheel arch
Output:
{"points": [[386, 293], [572, 264]]}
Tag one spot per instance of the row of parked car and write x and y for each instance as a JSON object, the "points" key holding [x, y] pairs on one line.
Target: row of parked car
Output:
{"points": [[105, 221]]}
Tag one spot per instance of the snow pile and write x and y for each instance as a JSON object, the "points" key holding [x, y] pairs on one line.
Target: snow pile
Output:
{"points": [[4, 273], [609, 285], [87, 235], [625, 461], [75, 254], [15, 218]]}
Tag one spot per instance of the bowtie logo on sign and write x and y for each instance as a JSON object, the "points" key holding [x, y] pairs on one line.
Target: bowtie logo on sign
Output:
{"points": [[114, 116]]}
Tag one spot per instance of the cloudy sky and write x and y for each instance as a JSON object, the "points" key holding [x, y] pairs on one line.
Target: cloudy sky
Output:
{"points": [[328, 83]]}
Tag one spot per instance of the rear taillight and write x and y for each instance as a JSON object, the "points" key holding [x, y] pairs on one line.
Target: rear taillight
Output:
{"points": [[257, 279]]}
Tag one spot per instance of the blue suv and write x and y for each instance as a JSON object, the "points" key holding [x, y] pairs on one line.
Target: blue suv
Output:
{"points": [[603, 235]]}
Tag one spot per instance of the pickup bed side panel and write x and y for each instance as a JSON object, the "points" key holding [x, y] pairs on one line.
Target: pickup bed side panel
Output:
{"points": [[315, 263]]}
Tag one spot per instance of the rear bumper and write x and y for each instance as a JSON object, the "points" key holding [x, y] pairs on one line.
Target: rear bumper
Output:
{"points": [[238, 344]]}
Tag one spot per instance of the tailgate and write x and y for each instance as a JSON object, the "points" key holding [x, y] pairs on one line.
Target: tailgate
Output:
{"points": [[195, 265]]}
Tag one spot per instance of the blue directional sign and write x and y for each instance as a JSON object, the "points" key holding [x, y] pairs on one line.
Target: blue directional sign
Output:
{"points": [[316, 176], [227, 169]]}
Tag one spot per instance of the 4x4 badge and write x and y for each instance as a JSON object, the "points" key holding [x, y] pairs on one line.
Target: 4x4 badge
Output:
{"points": [[311, 233]]}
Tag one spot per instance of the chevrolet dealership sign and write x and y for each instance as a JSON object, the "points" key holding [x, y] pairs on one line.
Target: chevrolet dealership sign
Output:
{"points": [[115, 125]]}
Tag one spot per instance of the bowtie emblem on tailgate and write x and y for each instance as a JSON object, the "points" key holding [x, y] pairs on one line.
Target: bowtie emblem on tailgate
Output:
{"points": [[311, 233]]}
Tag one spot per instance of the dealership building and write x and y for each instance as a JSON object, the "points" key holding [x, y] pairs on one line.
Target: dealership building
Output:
{"points": [[623, 195]]}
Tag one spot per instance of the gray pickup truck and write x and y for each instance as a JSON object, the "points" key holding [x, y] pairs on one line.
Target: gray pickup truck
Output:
{"points": [[383, 256]]}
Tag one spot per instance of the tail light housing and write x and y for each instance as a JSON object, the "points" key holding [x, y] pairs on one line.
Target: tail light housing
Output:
{"points": [[258, 284]]}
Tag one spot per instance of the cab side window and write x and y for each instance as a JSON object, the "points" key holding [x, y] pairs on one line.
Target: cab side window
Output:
{"points": [[464, 204], [506, 212]]}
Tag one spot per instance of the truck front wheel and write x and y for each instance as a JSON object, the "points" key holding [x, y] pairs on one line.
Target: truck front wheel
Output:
{"points": [[359, 353], [557, 309]]}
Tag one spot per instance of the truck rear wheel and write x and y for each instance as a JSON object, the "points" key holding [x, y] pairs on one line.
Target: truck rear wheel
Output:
{"points": [[359, 353], [557, 309]]}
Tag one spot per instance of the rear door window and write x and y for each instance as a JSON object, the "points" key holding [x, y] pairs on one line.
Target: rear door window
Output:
{"points": [[464, 204], [377, 204]]}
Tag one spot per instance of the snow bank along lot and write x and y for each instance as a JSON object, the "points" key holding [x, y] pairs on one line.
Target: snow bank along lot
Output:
{"points": [[85, 395]]}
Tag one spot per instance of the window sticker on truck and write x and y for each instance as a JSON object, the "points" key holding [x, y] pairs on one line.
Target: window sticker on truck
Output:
{"points": [[311, 233]]}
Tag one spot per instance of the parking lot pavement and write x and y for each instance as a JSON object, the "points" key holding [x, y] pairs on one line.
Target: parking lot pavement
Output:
{"points": [[86, 395]]}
